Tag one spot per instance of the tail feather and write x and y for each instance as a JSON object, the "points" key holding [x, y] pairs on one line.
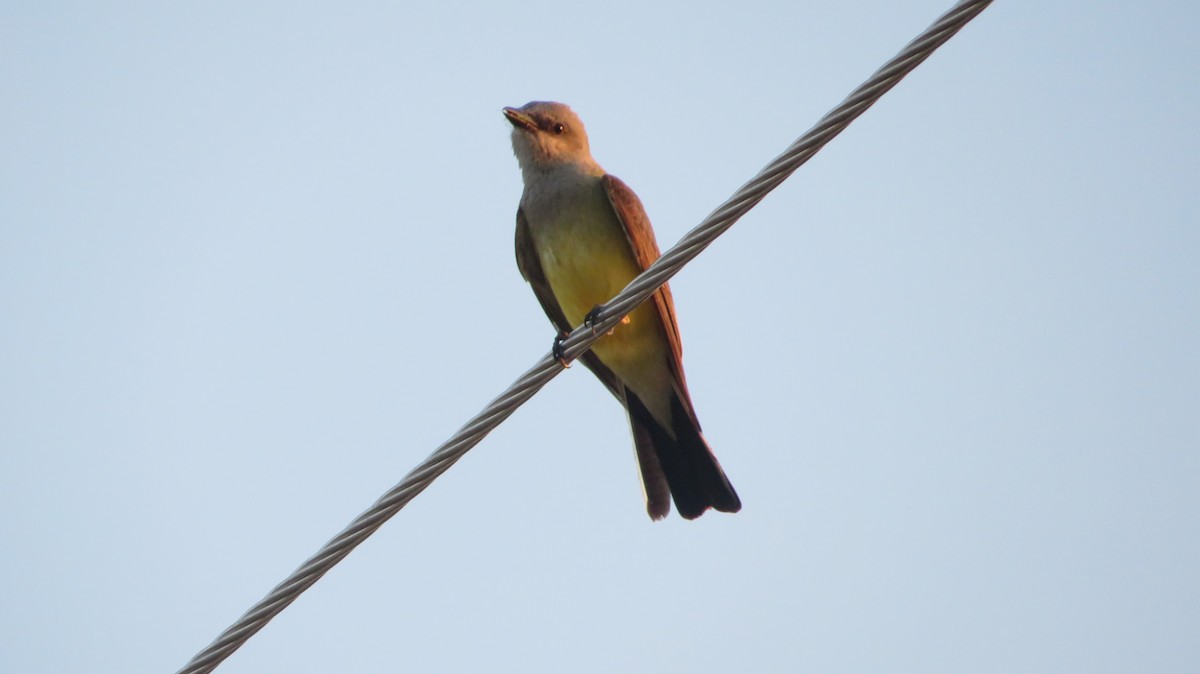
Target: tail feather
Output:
{"points": [[655, 487], [682, 460]]}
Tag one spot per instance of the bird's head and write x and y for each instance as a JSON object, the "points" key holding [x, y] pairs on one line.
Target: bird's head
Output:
{"points": [[546, 135]]}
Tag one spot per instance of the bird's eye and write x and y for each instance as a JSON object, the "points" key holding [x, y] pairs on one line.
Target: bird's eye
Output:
{"points": [[558, 129]]}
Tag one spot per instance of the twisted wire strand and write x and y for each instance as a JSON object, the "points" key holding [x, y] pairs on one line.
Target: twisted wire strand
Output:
{"points": [[582, 337]]}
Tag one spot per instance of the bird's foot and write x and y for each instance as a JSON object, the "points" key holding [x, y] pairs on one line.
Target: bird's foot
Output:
{"points": [[593, 317], [558, 351]]}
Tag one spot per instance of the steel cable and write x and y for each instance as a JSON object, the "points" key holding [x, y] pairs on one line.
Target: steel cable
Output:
{"points": [[582, 337]]}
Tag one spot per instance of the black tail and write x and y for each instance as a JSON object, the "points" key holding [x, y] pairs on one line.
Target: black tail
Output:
{"points": [[682, 459]]}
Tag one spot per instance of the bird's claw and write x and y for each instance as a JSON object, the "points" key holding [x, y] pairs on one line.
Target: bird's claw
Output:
{"points": [[593, 317], [558, 351]]}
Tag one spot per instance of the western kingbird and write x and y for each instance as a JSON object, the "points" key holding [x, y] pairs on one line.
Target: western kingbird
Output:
{"points": [[582, 236]]}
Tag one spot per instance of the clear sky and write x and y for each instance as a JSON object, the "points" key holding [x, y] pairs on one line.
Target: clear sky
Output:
{"points": [[256, 263]]}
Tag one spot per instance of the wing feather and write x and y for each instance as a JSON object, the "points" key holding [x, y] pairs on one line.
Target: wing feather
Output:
{"points": [[633, 216]]}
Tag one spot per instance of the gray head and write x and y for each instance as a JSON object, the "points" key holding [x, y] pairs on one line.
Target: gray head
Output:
{"points": [[546, 135]]}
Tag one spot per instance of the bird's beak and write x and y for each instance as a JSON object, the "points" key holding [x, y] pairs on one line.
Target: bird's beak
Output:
{"points": [[519, 119]]}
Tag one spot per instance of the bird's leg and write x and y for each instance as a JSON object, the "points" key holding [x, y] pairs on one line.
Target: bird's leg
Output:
{"points": [[593, 317], [558, 351]]}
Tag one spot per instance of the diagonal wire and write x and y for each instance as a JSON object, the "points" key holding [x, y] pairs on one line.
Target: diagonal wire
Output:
{"points": [[582, 337]]}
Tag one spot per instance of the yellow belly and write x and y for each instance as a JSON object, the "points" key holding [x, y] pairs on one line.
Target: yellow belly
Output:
{"points": [[587, 262]]}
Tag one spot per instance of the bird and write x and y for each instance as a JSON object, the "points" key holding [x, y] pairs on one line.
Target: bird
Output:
{"points": [[582, 235]]}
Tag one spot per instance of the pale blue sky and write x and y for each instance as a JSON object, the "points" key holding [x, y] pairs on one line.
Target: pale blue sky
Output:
{"points": [[256, 263]]}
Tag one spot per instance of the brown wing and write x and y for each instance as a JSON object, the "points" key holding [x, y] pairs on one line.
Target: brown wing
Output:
{"points": [[641, 239], [531, 270]]}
